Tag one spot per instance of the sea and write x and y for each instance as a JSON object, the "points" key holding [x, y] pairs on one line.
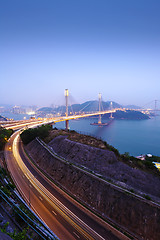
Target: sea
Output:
{"points": [[135, 137]]}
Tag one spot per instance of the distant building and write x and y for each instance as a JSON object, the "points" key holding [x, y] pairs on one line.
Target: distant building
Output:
{"points": [[1, 109], [18, 110], [141, 157]]}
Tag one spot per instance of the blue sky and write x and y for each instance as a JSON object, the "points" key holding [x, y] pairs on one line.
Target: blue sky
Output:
{"points": [[87, 46]]}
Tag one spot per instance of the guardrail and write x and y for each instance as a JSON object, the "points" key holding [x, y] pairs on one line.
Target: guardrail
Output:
{"points": [[40, 229]]}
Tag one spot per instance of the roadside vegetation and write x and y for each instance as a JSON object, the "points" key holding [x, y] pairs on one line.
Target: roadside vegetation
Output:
{"points": [[30, 134], [153, 158], [4, 136]]}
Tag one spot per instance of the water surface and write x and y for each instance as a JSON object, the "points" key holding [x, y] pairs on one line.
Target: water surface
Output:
{"points": [[133, 136]]}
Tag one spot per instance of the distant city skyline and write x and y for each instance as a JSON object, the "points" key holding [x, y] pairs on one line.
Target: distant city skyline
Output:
{"points": [[87, 46]]}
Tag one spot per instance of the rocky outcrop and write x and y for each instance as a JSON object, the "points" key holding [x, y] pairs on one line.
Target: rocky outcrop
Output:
{"points": [[105, 162], [91, 157], [138, 215]]}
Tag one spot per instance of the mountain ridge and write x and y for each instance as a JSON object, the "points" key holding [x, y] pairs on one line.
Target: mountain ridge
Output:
{"points": [[88, 106]]}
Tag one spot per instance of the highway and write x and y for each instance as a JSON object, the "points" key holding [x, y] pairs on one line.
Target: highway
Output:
{"points": [[15, 124], [26, 123], [65, 217]]}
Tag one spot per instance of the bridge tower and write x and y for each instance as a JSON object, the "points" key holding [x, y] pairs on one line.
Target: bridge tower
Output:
{"points": [[155, 106], [111, 109], [66, 97], [99, 119]]}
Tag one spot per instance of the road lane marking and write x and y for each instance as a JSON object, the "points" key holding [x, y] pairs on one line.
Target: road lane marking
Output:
{"points": [[76, 235], [63, 213], [54, 212]]}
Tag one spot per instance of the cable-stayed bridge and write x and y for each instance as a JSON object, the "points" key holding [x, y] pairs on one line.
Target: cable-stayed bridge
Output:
{"points": [[66, 118], [22, 123]]}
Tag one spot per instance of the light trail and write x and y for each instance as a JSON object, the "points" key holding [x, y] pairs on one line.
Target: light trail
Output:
{"points": [[27, 123], [27, 184], [70, 217]]}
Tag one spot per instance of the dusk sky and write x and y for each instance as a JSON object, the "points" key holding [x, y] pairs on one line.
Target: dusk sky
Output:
{"points": [[88, 46]]}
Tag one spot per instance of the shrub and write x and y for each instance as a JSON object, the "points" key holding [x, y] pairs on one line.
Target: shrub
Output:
{"points": [[149, 164], [31, 133], [4, 135], [147, 197]]}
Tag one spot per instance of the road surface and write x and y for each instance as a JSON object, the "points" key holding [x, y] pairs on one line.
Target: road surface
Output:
{"points": [[66, 218]]}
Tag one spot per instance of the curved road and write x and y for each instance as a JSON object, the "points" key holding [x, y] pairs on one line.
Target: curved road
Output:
{"points": [[65, 217]]}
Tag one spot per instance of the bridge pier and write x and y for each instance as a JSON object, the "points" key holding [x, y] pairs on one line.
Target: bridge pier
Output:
{"points": [[100, 119], [67, 125]]}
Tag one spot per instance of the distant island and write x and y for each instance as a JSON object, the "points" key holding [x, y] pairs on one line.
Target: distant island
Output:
{"points": [[128, 114]]}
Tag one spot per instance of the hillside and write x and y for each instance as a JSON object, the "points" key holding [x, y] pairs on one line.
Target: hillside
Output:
{"points": [[92, 173], [105, 160]]}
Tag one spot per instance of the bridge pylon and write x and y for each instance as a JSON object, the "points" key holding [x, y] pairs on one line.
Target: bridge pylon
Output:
{"points": [[100, 118], [66, 97], [155, 107], [100, 114], [111, 112]]}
